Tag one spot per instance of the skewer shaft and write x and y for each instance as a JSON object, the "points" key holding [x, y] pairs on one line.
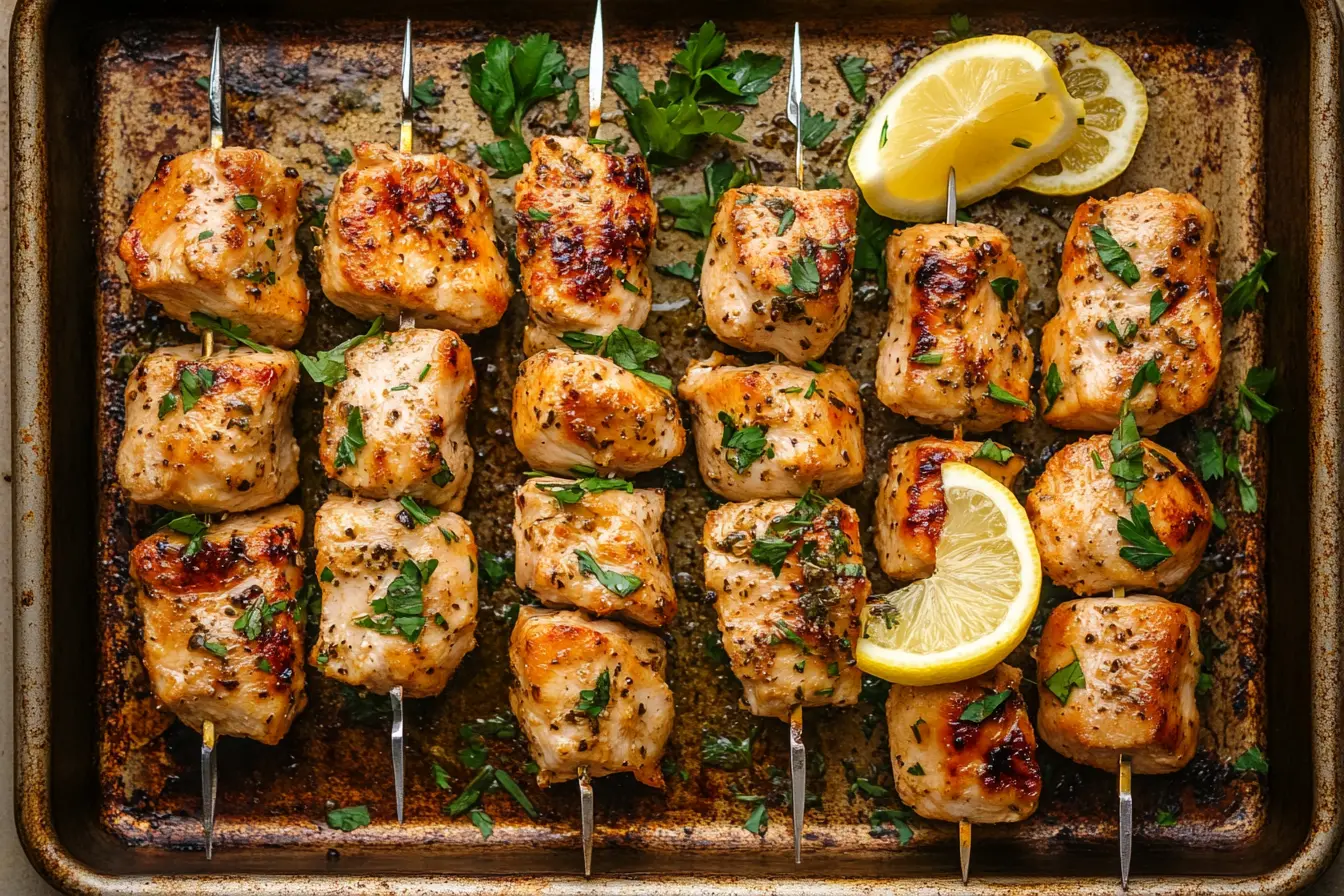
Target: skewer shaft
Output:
{"points": [[218, 111], [964, 846], [951, 196], [1123, 781], [795, 103], [398, 749], [406, 143], [797, 779], [209, 785], [586, 819], [597, 66]]}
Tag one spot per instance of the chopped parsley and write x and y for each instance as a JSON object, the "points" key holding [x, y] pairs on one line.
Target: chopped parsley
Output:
{"points": [[1245, 293], [1127, 455], [402, 609], [1114, 256], [1123, 336], [1252, 761], [1157, 306], [506, 80], [1253, 406], [1063, 680], [572, 492], [592, 701], [1148, 374], [352, 440], [853, 69], [1053, 386], [537, 214], [496, 568], [619, 583], [418, 515], [743, 446], [624, 346], [188, 524], [929, 359], [993, 451], [728, 753], [978, 710], [804, 279], [1005, 288], [328, 367], [236, 333], [349, 818], [1145, 550], [246, 202], [998, 393]]}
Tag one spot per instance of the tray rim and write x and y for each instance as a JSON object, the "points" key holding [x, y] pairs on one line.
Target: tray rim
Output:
{"points": [[34, 612]]}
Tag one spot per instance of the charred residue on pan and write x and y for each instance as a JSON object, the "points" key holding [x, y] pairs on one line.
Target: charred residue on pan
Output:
{"points": [[314, 91]]}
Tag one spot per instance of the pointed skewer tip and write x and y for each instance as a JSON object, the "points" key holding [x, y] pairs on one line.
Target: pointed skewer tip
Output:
{"points": [[586, 819], [406, 141], [797, 779], [794, 106], [951, 197], [398, 750], [209, 786], [596, 67], [1126, 794], [964, 848]]}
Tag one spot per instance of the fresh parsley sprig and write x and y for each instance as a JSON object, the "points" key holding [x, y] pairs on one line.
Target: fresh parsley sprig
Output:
{"points": [[573, 491], [1245, 293], [743, 445], [1145, 549], [188, 524], [328, 367], [506, 80], [619, 583], [592, 701], [694, 212], [236, 333], [626, 347], [1114, 257]]}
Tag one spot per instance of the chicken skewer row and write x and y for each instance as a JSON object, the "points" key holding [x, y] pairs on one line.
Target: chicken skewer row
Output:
{"points": [[1121, 671], [212, 239]]}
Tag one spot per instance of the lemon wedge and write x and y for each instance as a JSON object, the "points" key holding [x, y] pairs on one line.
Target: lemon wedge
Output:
{"points": [[1115, 110], [992, 107], [976, 607]]}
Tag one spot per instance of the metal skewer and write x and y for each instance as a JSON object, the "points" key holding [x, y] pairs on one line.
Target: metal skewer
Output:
{"points": [[209, 784], [795, 103], [586, 813], [1124, 774]]}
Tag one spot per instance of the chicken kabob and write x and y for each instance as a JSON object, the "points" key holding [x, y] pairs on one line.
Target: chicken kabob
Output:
{"points": [[963, 751], [1137, 343], [786, 563], [212, 239], [590, 694], [410, 235]]}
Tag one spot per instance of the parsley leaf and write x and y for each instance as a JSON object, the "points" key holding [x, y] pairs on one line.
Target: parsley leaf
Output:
{"points": [[879, 819], [1244, 294], [328, 367], [1053, 386], [694, 213], [483, 822], [166, 404], [246, 202], [1250, 501], [1126, 336], [1252, 761], [349, 818], [758, 820], [418, 515], [340, 161], [496, 568], [188, 524], [998, 393], [744, 446], [1127, 455], [235, 333], [506, 80], [402, 609], [193, 384], [958, 28], [1253, 405], [804, 279], [626, 347], [620, 583], [426, 93], [1005, 288], [992, 450], [929, 359], [873, 231], [1114, 256], [1145, 549], [728, 753], [1165, 818], [1157, 306], [771, 552], [1063, 680], [1209, 458], [594, 700], [1148, 374], [512, 789], [978, 710], [353, 440], [679, 269], [506, 156], [572, 492], [815, 127], [853, 70]]}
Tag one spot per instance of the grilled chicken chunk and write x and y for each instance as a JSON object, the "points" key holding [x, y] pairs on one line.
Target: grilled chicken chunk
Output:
{"points": [[215, 233], [776, 275], [589, 693], [204, 436], [577, 410], [569, 536], [954, 339], [410, 391], [414, 235], [1127, 669], [910, 510], [1105, 331], [951, 768], [774, 430], [399, 604], [586, 220], [788, 634], [221, 643], [1076, 508]]}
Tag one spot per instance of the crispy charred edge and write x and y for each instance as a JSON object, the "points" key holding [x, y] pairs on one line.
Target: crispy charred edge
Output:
{"points": [[1008, 757], [585, 412], [947, 275], [157, 562], [585, 259], [411, 191], [926, 508], [834, 258], [1182, 524]]}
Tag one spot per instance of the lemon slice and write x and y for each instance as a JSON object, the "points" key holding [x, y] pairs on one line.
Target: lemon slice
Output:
{"points": [[1115, 110], [975, 608], [993, 107]]}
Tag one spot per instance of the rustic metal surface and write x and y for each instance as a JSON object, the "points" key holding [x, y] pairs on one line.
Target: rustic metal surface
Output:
{"points": [[307, 91]]}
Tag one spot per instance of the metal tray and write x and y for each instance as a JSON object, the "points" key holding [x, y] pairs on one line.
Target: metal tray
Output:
{"points": [[1245, 113]]}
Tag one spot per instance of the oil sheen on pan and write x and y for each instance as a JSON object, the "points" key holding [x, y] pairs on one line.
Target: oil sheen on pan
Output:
{"points": [[307, 94]]}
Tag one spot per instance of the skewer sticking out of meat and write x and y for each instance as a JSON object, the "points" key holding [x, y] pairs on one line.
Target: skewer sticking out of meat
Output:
{"points": [[954, 353], [396, 424], [776, 275], [1118, 677], [910, 509], [398, 595], [595, 544], [214, 234], [221, 644], [586, 220], [590, 695], [213, 434], [412, 236], [1138, 307], [775, 430], [965, 751], [579, 410], [1094, 537]]}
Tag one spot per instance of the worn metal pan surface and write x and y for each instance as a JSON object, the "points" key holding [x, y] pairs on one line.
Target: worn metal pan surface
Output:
{"points": [[1244, 113]]}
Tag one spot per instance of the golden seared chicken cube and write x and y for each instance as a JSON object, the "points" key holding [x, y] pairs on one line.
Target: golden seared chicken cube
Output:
{"points": [[775, 430], [214, 233], [586, 220], [596, 544], [579, 410], [1118, 676], [954, 353], [910, 510], [217, 603], [789, 582], [1092, 539], [210, 435], [1165, 311], [414, 236], [777, 272], [589, 693], [398, 595], [397, 424], [965, 751]]}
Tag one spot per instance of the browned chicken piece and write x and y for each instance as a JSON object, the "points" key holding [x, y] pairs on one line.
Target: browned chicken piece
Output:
{"points": [[398, 596], [586, 220], [775, 430], [789, 582], [589, 693], [579, 410], [214, 233], [777, 272], [595, 544], [954, 353], [205, 436], [410, 391], [414, 236], [910, 509], [950, 767], [220, 640], [1105, 330], [1118, 675], [1076, 509]]}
